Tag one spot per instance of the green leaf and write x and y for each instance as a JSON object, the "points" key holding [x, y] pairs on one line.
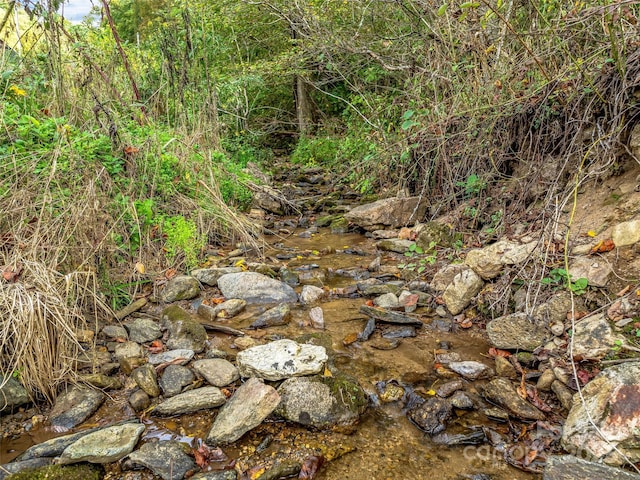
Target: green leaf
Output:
{"points": [[407, 124], [408, 114], [442, 10], [422, 269], [412, 247], [419, 250], [469, 5]]}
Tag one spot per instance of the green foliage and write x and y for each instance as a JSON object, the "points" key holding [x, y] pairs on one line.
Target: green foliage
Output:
{"points": [[474, 185], [419, 260], [182, 237], [560, 277]]}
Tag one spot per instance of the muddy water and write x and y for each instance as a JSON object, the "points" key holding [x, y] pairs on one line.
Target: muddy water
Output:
{"points": [[386, 445]]}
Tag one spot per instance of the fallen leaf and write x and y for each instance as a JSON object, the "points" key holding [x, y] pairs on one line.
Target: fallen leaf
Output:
{"points": [[310, 467], [170, 273], [349, 339], [218, 300], [370, 303], [624, 291], [140, 268], [156, 347], [130, 150], [591, 233], [327, 372], [466, 323], [603, 246], [496, 352]]}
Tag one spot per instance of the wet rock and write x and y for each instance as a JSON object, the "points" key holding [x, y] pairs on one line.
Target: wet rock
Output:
{"points": [[128, 350], [504, 368], [434, 233], [399, 332], [289, 277], [545, 380], [568, 467], [115, 331], [139, 400], [74, 406], [250, 405], [368, 330], [449, 388], [316, 316], [180, 287], [142, 330], [104, 446], [9, 469], [165, 459], [461, 401], [377, 288], [273, 317], [612, 401], [217, 371], [210, 276], [469, 437], [180, 356], [563, 393], [464, 287], [432, 415], [396, 245], [448, 357], [385, 343], [184, 331], [281, 359], [129, 364], [626, 233], [311, 295], [256, 288], [339, 225], [516, 331], [387, 213], [594, 269], [322, 402], [387, 300], [55, 446], [488, 262], [593, 337], [146, 378], [391, 392], [502, 392], [496, 414], [191, 401], [388, 316], [174, 379], [223, 475], [471, 370], [102, 381], [12, 393]]}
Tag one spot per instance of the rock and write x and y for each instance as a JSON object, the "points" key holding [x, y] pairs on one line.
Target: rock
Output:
{"points": [[142, 330], [32, 465], [74, 406], [471, 370], [399, 331], [115, 331], [502, 392], [180, 287], [391, 392], [594, 269], [339, 225], [554, 310], [243, 343], [231, 308], [593, 337], [545, 380], [461, 401], [449, 388], [139, 400], [210, 276], [166, 459], [626, 233], [394, 245], [612, 401], [289, 277], [516, 331], [445, 276], [129, 364], [504, 368], [387, 213], [432, 415], [410, 301], [12, 393], [101, 381], [281, 359], [55, 446], [387, 300], [322, 402], [184, 331], [311, 295], [563, 393], [128, 350], [180, 356], [174, 379], [568, 467], [368, 288], [488, 262], [191, 401], [268, 203], [217, 371], [256, 288], [469, 437], [317, 318], [385, 343], [374, 265], [273, 317], [104, 446], [146, 378], [464, 287], [250, 405], [222, 475], [387, 316]]}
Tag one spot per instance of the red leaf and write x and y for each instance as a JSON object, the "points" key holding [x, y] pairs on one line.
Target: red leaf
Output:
{"points": [[496, 352], [310, 467], [156, 346]]}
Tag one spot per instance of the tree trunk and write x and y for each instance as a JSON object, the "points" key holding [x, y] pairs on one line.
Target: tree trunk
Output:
{"points": [[304, 105]]}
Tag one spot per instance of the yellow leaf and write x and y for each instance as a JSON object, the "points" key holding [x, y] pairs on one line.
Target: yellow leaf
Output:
{"points": [[591, 233], [327, 372], [140, 268], [258, 473], [239, 263], [17, 91], [431, 392]]}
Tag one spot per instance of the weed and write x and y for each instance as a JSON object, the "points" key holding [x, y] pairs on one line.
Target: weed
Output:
{"points": [[419, 260], [560, 277]]}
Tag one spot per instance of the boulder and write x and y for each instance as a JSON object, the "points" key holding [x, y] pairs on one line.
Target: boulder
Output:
{"points": [[250, 405], [217, 371], [568, 467], [501, 391], [322, 402], [210, 276], [434, 233], [612, 402], [185, 332], [74, 406], [464, 287], [174, 379], [180, 287], [167, 459], [146, 378], [281, 359], [142, 330], [311, 294], [256, 288], [626, 233], [517, 332], [273, 317], [489, 261], [445, 276], [191, 401], [104, 446], [387, 213], [12, 393]]}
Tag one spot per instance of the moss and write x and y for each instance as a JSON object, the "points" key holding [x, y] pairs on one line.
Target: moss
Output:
{"points": [[83, 471], [346, 388]]}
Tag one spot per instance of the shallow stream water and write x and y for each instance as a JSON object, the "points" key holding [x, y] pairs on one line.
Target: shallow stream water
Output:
{"points": [[385, 445]]}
